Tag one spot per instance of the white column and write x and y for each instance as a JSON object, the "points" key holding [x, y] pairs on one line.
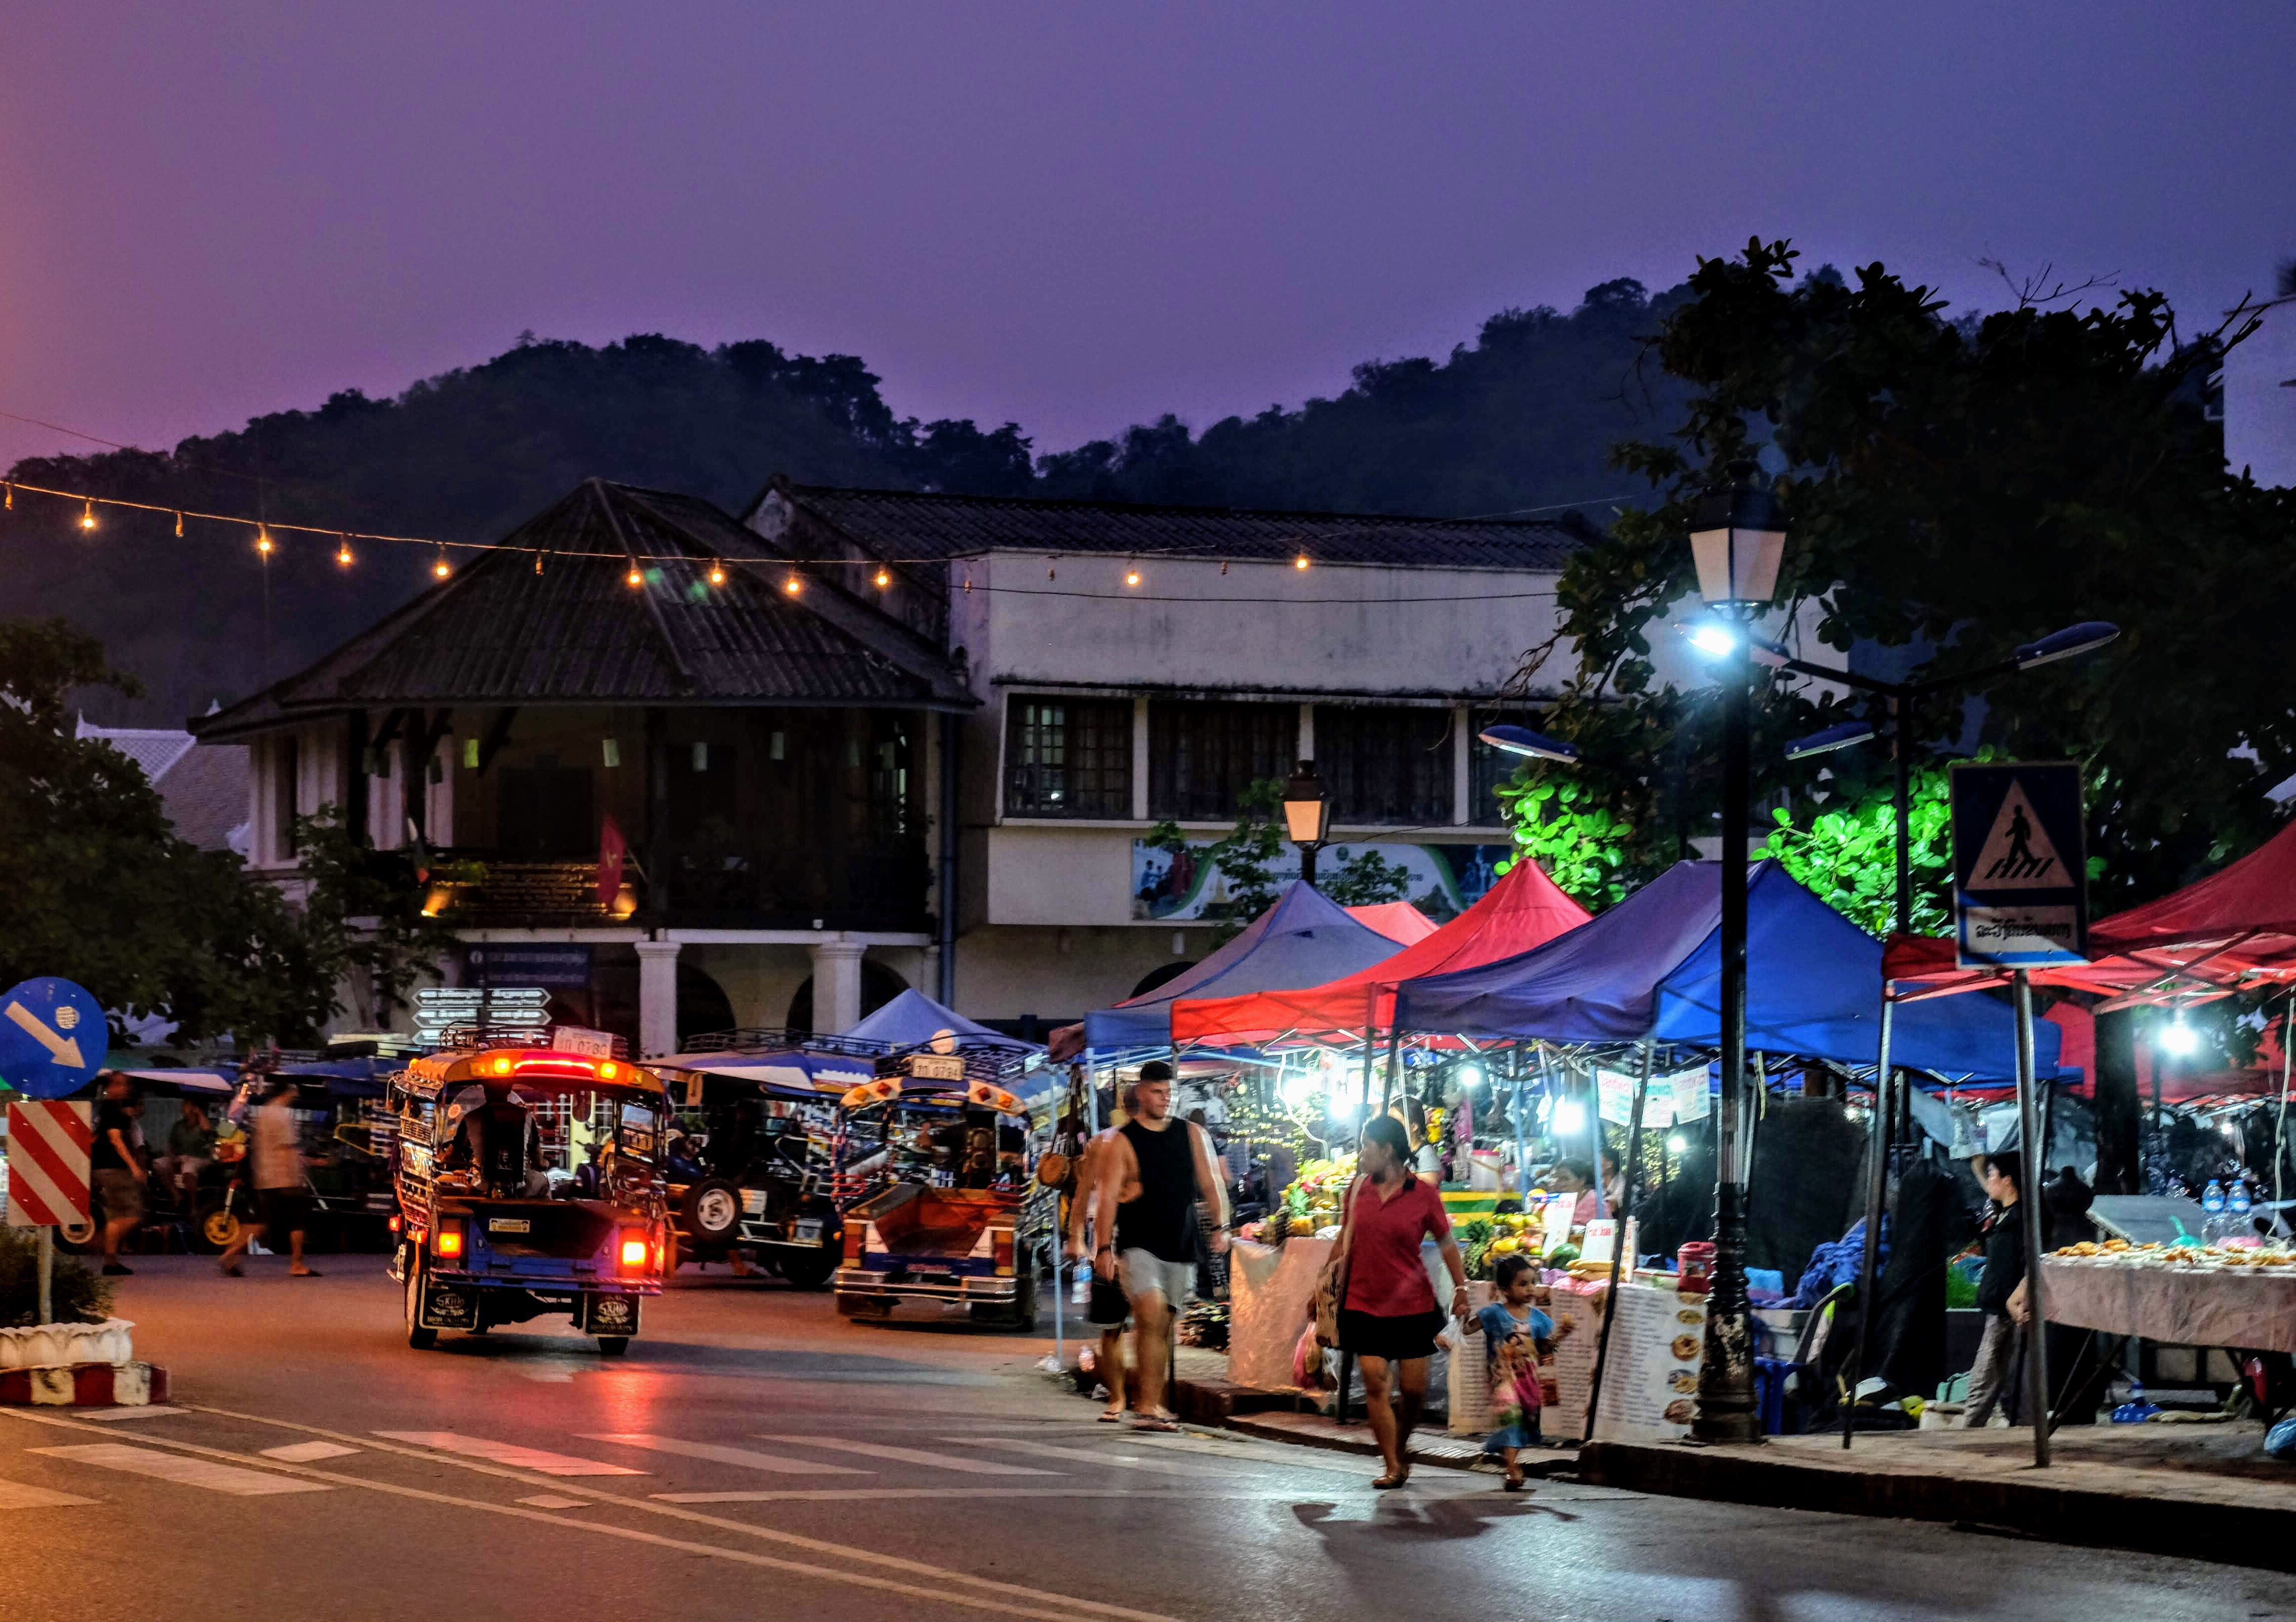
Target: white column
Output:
{"points": [[1139, 760], [656, 999], [836, 985], [1463, 779]]}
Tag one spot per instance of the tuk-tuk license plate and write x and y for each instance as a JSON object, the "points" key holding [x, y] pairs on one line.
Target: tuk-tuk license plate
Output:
{"points": [[509, 1224], [807, 1232]]}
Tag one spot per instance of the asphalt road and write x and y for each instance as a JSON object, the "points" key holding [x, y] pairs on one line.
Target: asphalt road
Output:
{"points": [[754, 1454]]}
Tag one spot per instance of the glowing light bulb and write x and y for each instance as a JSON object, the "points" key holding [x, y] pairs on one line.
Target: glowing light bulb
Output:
{"points": [[1300, 561], [885, 579], [635, 578], [717, 574], [2179, 1040], [1570, 1119], [87, 516], [1713, 639], [1677, 1144], [343, 553], [442, 569], [1131, 577], [793, 585], [263, 541]]}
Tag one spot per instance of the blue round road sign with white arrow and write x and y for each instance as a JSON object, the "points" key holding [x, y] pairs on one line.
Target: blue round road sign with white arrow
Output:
{"points": [[53, 1037]]}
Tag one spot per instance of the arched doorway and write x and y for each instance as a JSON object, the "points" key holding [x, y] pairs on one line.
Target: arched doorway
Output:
{"points": [[1162, 974], [878, 986], [702, 1004]]}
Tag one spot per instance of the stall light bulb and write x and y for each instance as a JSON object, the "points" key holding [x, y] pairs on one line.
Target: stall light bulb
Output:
{"points": [[2179, 1040], [1677, 1144], [1343, 1109], [87, 516], [635, 578], [1471, 1076], [262, 541], [717, 574], [1570, 1119], [1300, 561], [1131, 577], [793, 585], [885, 579], [343, 553], [442, 569]]}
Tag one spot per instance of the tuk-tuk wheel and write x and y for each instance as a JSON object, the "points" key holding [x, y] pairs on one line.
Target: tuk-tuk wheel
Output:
{"points": [[613, 1346], [422, 1339], [808, 1272], [219, 1228]]}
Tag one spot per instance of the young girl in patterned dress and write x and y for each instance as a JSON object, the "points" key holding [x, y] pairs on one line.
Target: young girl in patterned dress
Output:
{"points": [[1515, 1335]]}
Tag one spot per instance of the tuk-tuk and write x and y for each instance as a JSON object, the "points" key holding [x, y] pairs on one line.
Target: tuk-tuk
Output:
{"points": [[529, 1183], [944, 1207], [750, 1158]]}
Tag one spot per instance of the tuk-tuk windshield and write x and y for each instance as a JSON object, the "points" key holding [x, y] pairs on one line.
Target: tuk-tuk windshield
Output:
{"points": [[559, 1142]]}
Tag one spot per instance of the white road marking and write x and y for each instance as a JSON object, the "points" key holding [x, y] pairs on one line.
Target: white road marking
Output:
{"points": [[744, 1457], [861, 1495], [978, 1600], [910, 1455], [309, 1453], [551, 1500], [509, 1453], [202, 1474], [23, 1495], [104, 1416], [1090, 1456]]}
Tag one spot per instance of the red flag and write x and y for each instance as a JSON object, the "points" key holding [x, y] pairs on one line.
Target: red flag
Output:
{"points": [[612, 850]]}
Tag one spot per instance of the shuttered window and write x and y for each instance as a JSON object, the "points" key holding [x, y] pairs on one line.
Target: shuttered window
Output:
{"points": [[1067, 757], [1388, 766], [1202, 756]]}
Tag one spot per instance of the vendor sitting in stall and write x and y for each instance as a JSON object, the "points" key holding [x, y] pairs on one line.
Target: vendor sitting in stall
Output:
{"points": [[497, 1142]]}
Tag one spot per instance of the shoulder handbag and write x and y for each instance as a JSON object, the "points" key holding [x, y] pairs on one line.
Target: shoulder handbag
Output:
{"points": [[1331, 1288]]}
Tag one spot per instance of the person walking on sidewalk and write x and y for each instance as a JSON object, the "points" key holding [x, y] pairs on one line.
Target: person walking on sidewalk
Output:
{"points": [[1158, 1168], [1388, 1318], [117, 1163], [1999, 1354], [276, 1172], [1109, 1312]]}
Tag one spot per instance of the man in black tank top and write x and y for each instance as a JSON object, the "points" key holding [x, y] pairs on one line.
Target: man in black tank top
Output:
{"points": [[1159, 1168]]}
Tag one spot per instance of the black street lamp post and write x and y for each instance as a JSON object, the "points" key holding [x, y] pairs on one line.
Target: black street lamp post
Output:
{"points": [[1738, 542], [1306, 817]]}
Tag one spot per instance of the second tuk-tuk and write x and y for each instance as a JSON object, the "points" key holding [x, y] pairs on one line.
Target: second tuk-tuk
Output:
{"points": [[529, 1183], [943, 1202]]}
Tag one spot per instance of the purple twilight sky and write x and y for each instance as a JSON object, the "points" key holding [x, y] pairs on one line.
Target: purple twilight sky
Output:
{"points": [[1073, 216]]}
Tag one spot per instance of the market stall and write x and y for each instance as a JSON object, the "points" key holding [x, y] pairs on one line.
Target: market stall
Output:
{"points": [[2185, 1296]]}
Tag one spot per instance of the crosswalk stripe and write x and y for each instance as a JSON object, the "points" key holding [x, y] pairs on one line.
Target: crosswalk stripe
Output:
{"points": [[508, 1453], [1090, 1456], [911, 1456], [745, 1457], [23, 1495], [202, 1474], [553, 1501], [108, 1416], [309, 1453]]}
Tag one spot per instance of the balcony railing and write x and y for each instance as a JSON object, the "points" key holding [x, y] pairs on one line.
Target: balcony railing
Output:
{"points": [[883, 888]]}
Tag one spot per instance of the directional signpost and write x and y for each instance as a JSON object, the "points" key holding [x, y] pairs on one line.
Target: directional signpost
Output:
{"points": [[53, 1038], [2020, 902]]}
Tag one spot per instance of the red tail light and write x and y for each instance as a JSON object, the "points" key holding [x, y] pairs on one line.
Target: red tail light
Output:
{"points": [[394, 1223], [635, 1251], [447, 1241], [1001, 1242]]}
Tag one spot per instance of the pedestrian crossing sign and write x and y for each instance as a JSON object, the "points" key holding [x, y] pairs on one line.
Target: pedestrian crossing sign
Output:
{"points": [[2019, 865]]}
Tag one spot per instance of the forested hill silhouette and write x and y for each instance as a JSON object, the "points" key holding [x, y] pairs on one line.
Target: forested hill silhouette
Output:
{"points": [[1522, 418]]}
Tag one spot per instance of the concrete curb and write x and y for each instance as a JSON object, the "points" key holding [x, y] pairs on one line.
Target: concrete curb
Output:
{"points": [[2229, 1534], [84, 1385]]}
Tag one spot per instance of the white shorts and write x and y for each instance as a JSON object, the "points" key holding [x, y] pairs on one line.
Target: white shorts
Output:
{"points": [[1145, 1272]]}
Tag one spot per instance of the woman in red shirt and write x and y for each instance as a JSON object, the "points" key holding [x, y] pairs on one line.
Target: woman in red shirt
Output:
{"points": [[1388, 1318]]}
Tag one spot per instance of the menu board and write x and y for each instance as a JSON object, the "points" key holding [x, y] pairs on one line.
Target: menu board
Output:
{"points": [[1650, 1380]]}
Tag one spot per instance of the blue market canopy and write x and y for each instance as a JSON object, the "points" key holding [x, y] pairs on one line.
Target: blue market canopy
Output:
{"points": [[1304, 939], [913, 1019], [1651, 967], [792, 1071]]}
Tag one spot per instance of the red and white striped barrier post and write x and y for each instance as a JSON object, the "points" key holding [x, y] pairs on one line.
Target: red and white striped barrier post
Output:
{"points": [[48, 1144]]}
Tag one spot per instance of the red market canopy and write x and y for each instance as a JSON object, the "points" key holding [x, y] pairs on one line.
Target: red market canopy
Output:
{"points": [[1400, 920], [1524, 909]]}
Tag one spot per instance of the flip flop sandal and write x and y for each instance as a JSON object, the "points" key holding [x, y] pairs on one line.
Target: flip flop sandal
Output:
{"points": [[1154, 1421], [1387, 1483], [1112, 1416], [1512, 1484]]}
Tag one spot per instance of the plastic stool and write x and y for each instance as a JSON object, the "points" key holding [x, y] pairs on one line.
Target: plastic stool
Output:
{"points": [[1770, 1391]]}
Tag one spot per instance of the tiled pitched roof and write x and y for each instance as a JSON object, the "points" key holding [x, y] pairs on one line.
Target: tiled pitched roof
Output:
{"points": [[206, 792], [546, 616], [900, 525]]}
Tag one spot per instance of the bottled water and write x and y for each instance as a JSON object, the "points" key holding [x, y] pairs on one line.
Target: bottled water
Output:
{"points": [[2240, 1229], [2212, 1201]]}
